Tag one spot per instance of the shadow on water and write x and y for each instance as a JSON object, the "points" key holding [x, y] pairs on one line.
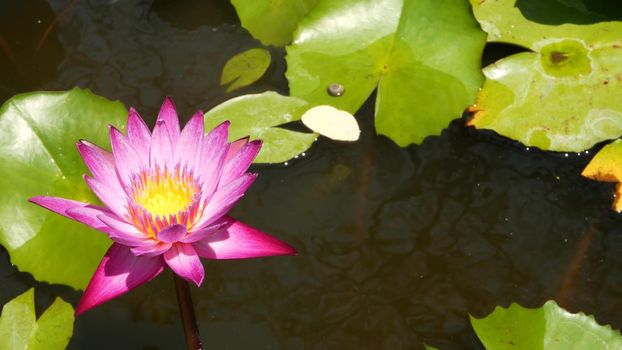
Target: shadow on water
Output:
{"points": [[211, 13], [396, 245], [494, 52], [573, 11]]}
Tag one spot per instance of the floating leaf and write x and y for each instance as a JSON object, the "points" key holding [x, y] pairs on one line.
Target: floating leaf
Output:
{"points": [[245, 68], [272, 23], [259, 116], [332, 123], [424, 59], [547, 328], [607, 166], [565, 95], [38, 156], [20, 329], [427, 347]]}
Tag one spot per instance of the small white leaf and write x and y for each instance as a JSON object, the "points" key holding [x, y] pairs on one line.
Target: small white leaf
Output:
{"points": [[332, 123]]}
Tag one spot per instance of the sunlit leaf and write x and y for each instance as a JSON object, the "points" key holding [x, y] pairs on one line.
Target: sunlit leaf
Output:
{"points": [[423, 58], [607, 166], [565, 94], [272, 22], [546, 328], [38, 133], [259, 116], [332, 123], [20, 329], [245, 68]]}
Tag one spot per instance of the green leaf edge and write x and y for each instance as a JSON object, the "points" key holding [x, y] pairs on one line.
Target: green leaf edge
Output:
{"points": [[398, 139], [58, 305], [263, 157], [234, 79], [121, 127], [549, 303]]}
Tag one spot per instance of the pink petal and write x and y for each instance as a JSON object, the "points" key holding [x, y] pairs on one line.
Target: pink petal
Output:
{"points": [[161, 147], [111, 198], [127, 161], [119, 272], [57, 204], [240, 241], [188, 148], [156, 249], [210, 176], [88, 216], [214, 150], [216, 139], [168, 114], [100, 163], [172, 233], [125, 233], [213, 145], [236, 146], [239, 163], [224, 199], [184, 261], [201, 234], [138, 135]]}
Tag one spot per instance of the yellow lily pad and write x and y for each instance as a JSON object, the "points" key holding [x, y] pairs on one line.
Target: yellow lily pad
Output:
{"points": [[331, 122], [606, 166]]}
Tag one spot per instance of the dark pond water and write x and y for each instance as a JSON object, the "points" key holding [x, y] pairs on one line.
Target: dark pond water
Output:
{"points": [[397, 245]]}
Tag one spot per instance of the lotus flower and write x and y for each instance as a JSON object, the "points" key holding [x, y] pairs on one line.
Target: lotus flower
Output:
{"points": [[166, 196]]}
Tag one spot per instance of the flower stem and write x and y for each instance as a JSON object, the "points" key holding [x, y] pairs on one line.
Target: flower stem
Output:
{"points": [[188, 319]]}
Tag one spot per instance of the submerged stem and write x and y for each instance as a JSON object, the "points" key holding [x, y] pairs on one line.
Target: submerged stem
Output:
{"points": [[188, 319]]}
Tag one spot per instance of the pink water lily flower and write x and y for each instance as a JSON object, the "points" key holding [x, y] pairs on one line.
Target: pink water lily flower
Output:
{"points": [[166, 196]]}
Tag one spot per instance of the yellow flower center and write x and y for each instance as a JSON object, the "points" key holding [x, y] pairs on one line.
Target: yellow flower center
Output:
{"points": [[163, 194]]}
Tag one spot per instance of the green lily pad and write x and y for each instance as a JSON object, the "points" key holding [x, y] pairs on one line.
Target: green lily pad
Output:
{"points": [[423, 58], [38, 156], [546, 328], [606, 166], [272, 22], [564, 95], [20, 329], [258, 116], [245, 68]]}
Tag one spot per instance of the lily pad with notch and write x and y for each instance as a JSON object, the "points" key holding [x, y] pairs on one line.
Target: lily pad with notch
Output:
{"points": [[564, 95]]}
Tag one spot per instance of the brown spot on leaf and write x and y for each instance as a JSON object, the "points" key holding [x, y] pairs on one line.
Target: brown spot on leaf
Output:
{"points": [[477, 110], [599, 175], [558, 56], [473, 108], [606, 166], [474, 118]]}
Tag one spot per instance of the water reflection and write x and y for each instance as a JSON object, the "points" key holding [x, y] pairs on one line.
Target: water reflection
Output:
{"points": [[124, 50], [455, 226], [29, 48]]}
